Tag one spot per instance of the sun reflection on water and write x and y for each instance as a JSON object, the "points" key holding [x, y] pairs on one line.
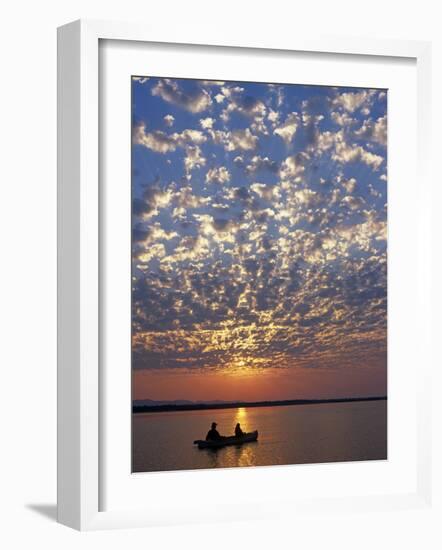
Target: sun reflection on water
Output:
{"points": [[245, 455], [241, 417]]}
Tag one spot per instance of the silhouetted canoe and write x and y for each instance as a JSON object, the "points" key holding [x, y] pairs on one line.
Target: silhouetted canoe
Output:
{"points": [[216, 444]]}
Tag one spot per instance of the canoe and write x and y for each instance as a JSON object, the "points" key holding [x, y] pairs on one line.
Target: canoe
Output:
{"points": [[225, 441]]}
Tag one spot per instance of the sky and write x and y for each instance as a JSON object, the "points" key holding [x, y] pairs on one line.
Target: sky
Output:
{"points": [[259, 240]]}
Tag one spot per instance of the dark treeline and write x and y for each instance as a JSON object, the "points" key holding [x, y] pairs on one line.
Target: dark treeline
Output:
{"points": [[205, 406]]}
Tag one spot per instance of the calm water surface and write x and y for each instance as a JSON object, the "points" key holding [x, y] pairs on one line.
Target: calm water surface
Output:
{"points": [[296, 434]]}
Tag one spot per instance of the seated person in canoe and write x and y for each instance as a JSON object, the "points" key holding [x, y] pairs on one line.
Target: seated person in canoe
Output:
{"points": [[238, 431], [213, 434]]}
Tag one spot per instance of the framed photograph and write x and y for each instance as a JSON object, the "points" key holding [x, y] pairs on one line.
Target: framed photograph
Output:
{"points": [[242, 276]]}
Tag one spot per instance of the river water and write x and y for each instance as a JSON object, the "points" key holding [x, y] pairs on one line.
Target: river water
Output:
{"points": [[295, 434]]}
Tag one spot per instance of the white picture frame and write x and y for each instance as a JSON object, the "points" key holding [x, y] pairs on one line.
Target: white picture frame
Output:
{"points": [[79, 265]]}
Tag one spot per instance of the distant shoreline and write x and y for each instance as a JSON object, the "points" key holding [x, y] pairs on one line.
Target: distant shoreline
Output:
{"points": [[247, 404]]}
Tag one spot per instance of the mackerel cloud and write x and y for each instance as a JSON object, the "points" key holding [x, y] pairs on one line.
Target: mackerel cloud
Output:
{"points": [[259, 225]]}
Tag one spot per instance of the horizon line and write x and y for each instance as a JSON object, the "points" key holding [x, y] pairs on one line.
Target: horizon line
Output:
{"points": [[217, 404]]}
